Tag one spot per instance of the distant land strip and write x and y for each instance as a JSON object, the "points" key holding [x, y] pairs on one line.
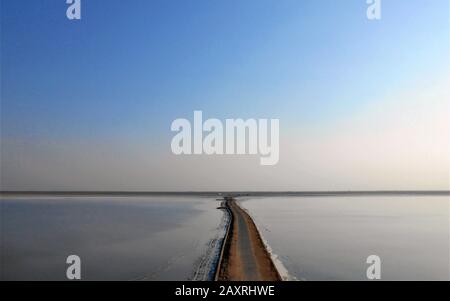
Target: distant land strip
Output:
{"points": [[230, 193]]}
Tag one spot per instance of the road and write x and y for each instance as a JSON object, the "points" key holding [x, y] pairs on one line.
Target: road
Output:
{"points": [[245, 257]]}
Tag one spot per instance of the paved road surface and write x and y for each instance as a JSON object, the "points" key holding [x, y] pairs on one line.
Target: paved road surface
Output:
{"points": [[245, 256]]}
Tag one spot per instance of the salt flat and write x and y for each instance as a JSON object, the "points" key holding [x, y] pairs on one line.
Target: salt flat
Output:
{"points": [[116, 237], [325, 238]]}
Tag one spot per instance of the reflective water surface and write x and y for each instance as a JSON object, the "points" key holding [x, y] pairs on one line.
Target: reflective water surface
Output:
{"points": [[117, 238], [326, 238]]}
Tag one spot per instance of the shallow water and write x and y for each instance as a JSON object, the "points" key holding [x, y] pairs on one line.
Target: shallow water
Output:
{"points": [[117, 238], [330, 238]]}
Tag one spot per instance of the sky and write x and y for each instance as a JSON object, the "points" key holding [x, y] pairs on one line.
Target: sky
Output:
{"points": [[87, 104]]}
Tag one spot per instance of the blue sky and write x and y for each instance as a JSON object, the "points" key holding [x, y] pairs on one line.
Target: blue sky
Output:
{"points": [[127, 69]]}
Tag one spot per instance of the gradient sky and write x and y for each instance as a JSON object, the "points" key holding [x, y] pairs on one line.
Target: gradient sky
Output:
{"points": [[87, 105]]}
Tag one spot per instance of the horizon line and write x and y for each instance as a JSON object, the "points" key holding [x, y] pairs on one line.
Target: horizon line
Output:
{"points": [[222, 192]]}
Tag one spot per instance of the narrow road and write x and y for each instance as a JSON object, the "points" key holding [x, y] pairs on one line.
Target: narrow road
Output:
{"points": [[244, 256]]}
